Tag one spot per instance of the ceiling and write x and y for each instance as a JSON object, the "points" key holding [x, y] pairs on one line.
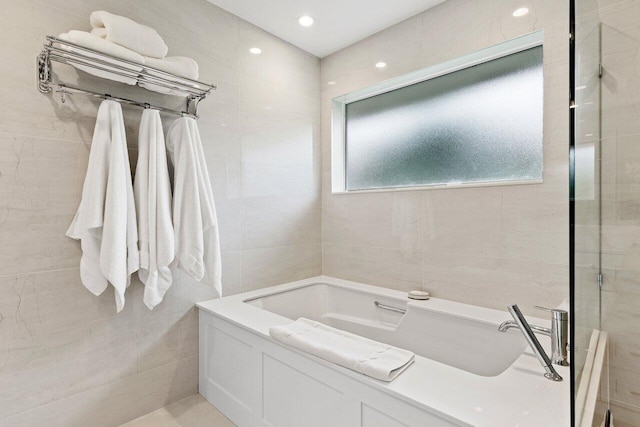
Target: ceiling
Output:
{"points": [[338, 23]]}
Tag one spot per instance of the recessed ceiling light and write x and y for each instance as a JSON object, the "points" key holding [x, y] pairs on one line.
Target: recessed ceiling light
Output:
{"points": [[255, 50], [305, 21], [520, 12], [331, 83], [381, 64]]}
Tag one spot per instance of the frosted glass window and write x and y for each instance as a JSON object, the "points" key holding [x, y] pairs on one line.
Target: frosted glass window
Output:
{"points": [[480, 124]]}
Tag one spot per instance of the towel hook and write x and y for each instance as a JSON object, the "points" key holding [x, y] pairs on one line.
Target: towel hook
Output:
{"points": [[63, 93]]}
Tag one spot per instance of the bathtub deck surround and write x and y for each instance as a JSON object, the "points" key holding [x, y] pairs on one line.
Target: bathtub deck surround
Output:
{"points": [[466, 372]]}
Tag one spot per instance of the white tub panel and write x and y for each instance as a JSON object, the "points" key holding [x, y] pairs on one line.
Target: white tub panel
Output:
{"points": [[373, 418], [280, 387], [293, 399], [227, 363], [230, 370]]}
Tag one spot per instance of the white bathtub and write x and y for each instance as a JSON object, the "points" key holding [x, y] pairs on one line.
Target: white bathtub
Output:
{"points": [[466, 372]]}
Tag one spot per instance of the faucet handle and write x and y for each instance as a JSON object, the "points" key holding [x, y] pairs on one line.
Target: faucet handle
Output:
{"points": [[555, 312]]}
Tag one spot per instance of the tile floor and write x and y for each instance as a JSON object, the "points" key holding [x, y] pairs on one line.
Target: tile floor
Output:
{"points": [[192, 411]]}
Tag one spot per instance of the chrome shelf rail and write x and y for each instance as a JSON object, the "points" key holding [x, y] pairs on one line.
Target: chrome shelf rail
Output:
{"points": [[65, 52]]}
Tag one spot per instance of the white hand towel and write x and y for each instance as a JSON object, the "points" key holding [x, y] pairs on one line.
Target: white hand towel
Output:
{"points": [[377, 360], [178, 65], [152, 191], [105, 221], [211, 239], [90, 41], [194, 215], [128, 33]]}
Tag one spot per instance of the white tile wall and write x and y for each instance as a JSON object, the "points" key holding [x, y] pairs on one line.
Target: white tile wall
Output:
{"points": [[487, 246], [66, 358]]}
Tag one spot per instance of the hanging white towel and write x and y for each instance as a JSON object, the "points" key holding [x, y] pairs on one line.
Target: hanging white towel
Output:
{"points": [[152, 191], [128, 33], [194, 214], [90, 41], [377, 360], [179, 65], [105, 221]]}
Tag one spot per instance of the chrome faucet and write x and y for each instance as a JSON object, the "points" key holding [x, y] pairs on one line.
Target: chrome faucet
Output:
{"points": [[558, 333]]}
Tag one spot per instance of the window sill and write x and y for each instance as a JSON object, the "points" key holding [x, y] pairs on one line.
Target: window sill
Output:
{"points": [[442, 186]]}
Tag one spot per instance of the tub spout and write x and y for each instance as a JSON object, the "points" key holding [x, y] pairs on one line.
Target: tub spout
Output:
{"points": [[521, 323], [511, 324], [506, 325]]}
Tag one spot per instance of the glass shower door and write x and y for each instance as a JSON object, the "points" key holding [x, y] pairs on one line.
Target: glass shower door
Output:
{"points": [[586, 199]]}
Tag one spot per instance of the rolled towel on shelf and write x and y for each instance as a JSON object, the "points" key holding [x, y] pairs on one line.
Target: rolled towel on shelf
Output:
{"points": [[90, 41], [128, 33], [368, 357], [181, 66], [99, 32]]}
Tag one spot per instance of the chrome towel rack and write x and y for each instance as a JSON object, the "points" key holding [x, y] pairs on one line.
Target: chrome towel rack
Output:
{"points": [[65, 52]]}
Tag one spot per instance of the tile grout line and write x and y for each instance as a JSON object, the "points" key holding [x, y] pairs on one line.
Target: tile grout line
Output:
{"points": [[53, 402], [4, 276]]}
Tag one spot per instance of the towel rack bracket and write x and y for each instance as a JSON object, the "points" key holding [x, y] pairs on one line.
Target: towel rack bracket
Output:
{"points": [[44, 72], [192, 103]]}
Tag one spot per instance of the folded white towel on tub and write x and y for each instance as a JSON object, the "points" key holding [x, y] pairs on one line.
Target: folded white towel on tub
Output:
{"points": [[128, 33], [181, 66], [90, 41], [368, 357]]}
